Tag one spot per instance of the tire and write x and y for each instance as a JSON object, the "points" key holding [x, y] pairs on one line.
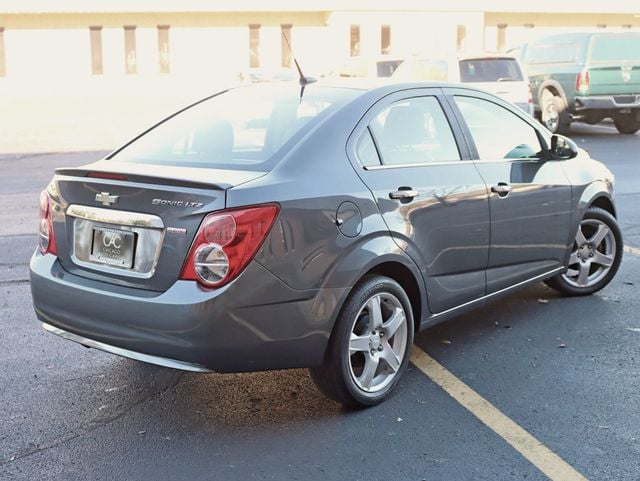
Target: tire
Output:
{"points": [[367, 355], [595, 255], [627, 124], [554, 115]]}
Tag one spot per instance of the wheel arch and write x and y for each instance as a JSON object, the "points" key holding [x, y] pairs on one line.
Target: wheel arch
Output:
{"points": [[604, 202], [556, 88]]}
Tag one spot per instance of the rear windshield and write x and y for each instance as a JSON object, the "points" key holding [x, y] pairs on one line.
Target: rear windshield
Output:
{"points": [[616, 49], [243, 128], [490, 70]]}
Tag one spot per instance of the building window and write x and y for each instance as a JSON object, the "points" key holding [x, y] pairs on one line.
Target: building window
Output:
{"points": [[354, 40], [163, 48], [285, 45], [502, 36], [131, 63], [461, 36], [385, 39], [254, 46], [3, 67], [95, 36]]}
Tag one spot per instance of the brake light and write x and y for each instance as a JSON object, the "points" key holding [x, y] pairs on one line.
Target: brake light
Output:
{"points": [[46, 239], [107, 175], [582, 81], [225, 243]]}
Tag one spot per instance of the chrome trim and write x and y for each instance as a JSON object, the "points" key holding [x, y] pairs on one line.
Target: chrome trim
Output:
{"points": [[148, 228], [537, 278], [417, 164], [138, 356], [120, 217]]}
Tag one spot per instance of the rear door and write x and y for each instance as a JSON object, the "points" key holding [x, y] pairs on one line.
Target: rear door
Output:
{"points": [[530, 198], [410, 155]]}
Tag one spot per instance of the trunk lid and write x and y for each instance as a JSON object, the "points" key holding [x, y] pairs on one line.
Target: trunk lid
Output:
{"points": [[133, 224]]}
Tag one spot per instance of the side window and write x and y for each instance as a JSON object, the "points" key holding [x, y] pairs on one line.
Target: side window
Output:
{"points": [[498, 133], [366, 150], [414, 131]]}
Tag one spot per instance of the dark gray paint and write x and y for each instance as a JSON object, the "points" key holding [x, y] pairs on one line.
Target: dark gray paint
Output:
{"points": [[306, 267]]}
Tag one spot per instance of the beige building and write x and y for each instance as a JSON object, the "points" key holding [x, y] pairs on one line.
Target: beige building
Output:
{"points": [[90, 61]]}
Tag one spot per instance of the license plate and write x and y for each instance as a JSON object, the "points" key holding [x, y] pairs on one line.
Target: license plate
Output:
{"points": [[112, 247]]}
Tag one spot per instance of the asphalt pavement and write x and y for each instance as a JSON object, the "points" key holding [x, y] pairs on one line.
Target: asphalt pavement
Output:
{"points": [[566, 370]]}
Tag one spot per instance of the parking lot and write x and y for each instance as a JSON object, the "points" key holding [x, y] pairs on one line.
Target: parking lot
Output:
{"points": [[532, 384]]}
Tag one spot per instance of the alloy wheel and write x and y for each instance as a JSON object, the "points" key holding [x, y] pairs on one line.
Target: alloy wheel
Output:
{"points": [[593, 254], [378, 342]]}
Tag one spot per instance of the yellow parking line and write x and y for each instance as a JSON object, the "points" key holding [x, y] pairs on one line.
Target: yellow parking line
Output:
{"points": [[552, 465], [632, 250]]}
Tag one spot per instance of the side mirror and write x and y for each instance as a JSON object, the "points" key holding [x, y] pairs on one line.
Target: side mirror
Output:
{"points": [[563, 148]]}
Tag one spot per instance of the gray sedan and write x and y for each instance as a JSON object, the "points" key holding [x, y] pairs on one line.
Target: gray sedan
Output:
{"points": [[274, 226]]}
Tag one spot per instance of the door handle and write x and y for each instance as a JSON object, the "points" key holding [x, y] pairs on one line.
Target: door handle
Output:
{"points": [[502, 189], [403, 194]]}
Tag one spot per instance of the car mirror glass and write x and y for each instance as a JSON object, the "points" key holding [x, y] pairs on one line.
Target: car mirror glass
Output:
{"points": [[563, 148]]}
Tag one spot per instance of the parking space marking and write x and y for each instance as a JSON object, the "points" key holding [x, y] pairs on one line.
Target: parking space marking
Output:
{"points": [[552, 465], [632, 250]]}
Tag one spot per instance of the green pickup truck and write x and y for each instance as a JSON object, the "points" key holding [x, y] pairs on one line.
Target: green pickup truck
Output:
{"points": [[585, 77]]}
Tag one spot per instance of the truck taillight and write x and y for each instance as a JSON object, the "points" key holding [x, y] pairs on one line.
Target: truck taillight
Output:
{"points": [[582, 81], [46, 239], [225, 243]]}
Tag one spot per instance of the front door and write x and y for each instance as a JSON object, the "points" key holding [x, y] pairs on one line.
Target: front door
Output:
{"points": [[434, 203], [529, 198]]}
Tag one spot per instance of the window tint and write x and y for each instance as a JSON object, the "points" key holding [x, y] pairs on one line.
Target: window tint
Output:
{"points": [[238, 129], [559, 53], [490, 70], [366, 150], [616, 49], [498, 133], [414, 131]]}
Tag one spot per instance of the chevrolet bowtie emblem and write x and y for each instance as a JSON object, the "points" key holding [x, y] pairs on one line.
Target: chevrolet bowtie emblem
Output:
{"points": [[106, 199]]}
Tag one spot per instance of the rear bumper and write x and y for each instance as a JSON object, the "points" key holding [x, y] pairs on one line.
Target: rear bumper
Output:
{"points": [[254, 323], [608, 102]]}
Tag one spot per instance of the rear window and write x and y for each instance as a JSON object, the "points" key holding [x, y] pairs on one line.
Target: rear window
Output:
{"points": [[553, 53], [490, 70], [243, 128], [427, 69], [615, 49]]}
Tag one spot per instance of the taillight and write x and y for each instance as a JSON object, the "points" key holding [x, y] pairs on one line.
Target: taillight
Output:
{"points": [[582, 81], [46, 239], [226, 242]]}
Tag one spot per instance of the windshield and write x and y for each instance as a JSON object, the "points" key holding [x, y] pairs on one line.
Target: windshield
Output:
{"points": [[490, 70], [616, 49], [241, 128]]}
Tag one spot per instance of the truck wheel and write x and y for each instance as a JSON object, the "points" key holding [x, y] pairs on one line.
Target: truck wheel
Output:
{"points": [[627, 123], [554, 113]]}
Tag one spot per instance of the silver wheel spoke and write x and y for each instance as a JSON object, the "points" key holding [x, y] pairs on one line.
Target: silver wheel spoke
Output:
{"points": [[358, 343], [391, 358], [599, 236], [583, 275], [369, 371], [574, 258], [393, 324], [602, 259], [572, 272], [580, 238], [375, 312]]}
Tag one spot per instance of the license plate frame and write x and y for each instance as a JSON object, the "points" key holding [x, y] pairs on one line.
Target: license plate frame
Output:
{"points": [[113, 247]]}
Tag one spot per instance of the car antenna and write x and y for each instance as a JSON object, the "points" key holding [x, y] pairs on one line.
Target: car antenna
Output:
{"points": [[304, 81]]}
